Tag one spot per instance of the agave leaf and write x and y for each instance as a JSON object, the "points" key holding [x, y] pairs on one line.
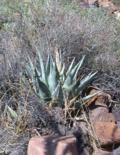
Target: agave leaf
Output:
{"points": [[70, 67], [87, 79], [48, 65], [31, 64], [12, 112], [28, 72], [69, 85], [58, 59], [29, 75], [38, 72], [78, 67], [35, 85], [90, 96], [58, 94], [62, 73], [89, 99], [30, 69], [44, 92], [84, 82], [43, 71], [72, 74], [68, 82], [62, 70], [53, 77]]}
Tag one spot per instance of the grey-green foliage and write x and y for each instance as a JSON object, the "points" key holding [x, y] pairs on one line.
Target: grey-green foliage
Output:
{"points": [[53, 83], [12, 113]]}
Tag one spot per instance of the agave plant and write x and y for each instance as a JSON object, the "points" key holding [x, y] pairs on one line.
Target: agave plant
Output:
{"points": [[51, 82]]}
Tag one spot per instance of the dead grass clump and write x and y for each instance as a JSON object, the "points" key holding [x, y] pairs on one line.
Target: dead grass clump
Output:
{"points": [[13, 105]]}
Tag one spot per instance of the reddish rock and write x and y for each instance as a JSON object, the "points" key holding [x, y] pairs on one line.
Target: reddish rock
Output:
{"points": [[99, 106], [97, 112], [101, 98], [49, 145], [108, 133], [101, 114], [106, 117]]}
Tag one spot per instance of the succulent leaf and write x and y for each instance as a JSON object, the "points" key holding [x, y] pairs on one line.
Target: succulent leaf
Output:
{"points": [[68, 83], [44, 92], [79, 66], [31, 64], [58, 94], [43, 71], [70, 67], [48, 65], [76, 68], [90, 96], [53, 77], [58, 59], [62, 73], [70, 80], [84, 82], [12, 112]]}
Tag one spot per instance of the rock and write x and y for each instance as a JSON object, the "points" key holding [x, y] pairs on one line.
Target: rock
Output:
{"points": [[100, 99], [97, 112], [49, 145], [101, 152], [101, 114], [108, 134], [106, 117], [116, 112]]}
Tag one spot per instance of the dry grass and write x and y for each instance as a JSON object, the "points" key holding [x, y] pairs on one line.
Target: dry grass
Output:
{"points": [[74, 30]]}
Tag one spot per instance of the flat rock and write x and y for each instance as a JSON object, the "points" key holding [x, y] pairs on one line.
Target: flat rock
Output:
{"points": [[101, 114], [49, 145], [108, 133]]}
